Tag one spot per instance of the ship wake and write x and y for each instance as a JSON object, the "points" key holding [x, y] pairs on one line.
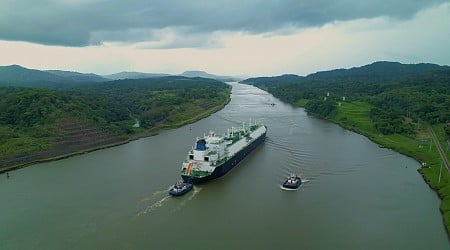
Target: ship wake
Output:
{"points": [[153, 207], [192, 194], [155, 194], [161, 196], [289, 189]]}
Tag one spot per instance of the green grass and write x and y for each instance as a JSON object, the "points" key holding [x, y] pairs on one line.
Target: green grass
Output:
{"points": [[192, 112], [23, 145], [440, 133], [355, 116], [301, 102]]}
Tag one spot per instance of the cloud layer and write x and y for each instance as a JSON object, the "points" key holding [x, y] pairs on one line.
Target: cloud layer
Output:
{"points": [[179, 23]]}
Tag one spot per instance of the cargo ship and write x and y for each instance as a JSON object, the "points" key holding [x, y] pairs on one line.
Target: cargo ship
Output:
{"points": [[214, 155]]}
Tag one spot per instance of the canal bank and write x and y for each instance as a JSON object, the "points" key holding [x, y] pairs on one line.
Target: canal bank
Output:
{"points": [[355, 117]]}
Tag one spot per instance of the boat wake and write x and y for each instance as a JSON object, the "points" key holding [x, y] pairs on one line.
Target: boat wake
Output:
{"points": [[156, 193], [154, 206], [161, 191], [290, 189], [161, 196], [192, 194]]}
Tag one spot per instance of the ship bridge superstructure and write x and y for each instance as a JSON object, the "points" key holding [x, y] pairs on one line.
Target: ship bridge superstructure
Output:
{"points": [[212, 151]]}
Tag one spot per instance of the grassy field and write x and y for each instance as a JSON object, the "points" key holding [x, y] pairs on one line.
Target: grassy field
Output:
{"points": [[355, 116], [21, 143], [301, 102], [440, 133], [24, 145]]}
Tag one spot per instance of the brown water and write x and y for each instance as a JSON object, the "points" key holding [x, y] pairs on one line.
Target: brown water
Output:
{"points": [[356, 195]]}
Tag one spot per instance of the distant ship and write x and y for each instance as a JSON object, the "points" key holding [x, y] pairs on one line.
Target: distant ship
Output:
{"points": [[213, 155]]}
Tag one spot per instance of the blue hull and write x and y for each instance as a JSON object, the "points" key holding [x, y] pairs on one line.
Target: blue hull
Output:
{"points": [[174, 192], [228, 165]]}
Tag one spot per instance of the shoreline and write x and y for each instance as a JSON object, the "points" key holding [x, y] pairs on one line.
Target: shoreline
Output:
{"points": [[420, 170], [149, 133]]}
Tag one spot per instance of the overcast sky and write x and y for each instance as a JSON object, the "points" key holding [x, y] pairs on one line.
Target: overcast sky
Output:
{"points": [[245, 37]]}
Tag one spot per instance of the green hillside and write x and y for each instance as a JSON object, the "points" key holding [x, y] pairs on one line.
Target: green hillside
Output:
{"points": [[18, 76], [38, 121]]}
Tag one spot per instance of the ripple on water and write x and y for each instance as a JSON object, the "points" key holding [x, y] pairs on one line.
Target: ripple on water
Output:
{"points": [[154, 206], [184, 200]]}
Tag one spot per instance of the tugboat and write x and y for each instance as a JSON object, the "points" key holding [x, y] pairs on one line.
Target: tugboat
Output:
{"points": [[293, 182], [180, 188]]}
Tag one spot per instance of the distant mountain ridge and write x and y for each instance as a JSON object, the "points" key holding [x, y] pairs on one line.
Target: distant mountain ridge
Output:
{"points": [[78, 77], [15, 75], [197, 73], [191, 73], [203, 74], [382, 69], [133, 75], [377, 71]]}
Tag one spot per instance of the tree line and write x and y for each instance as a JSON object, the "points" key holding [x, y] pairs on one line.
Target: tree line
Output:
{"points": [[398, 102]]}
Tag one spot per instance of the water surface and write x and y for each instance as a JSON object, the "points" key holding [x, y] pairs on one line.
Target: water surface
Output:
{"points": [[356, 195]]}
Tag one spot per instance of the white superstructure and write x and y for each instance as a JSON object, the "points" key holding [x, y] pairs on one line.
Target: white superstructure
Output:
{"points": [[213, 151]]}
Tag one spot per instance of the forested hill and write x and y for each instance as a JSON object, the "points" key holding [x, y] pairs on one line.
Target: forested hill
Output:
{"points": [[379, 71], [394, 92], [35, 121], [375, 72], [18, 76]]}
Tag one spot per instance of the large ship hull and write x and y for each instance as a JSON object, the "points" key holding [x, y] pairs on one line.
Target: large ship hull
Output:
{"points": [[228, 165]]}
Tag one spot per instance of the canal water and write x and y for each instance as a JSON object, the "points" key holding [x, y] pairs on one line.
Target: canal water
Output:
{"points": [[355, 195]]}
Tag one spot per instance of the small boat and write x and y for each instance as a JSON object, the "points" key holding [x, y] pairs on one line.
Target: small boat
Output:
{"points": [[293, 182], [180, 188]]}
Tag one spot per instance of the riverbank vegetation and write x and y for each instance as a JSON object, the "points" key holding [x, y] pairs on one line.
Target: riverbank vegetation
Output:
{"points": [[393, 104], [42, 123]]}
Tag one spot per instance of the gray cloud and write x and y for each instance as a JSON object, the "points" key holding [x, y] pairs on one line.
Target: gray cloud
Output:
{"points": [[82, 22]]}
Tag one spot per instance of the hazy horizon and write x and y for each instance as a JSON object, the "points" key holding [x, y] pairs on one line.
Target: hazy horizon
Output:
{"points": [[243, 76]]}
